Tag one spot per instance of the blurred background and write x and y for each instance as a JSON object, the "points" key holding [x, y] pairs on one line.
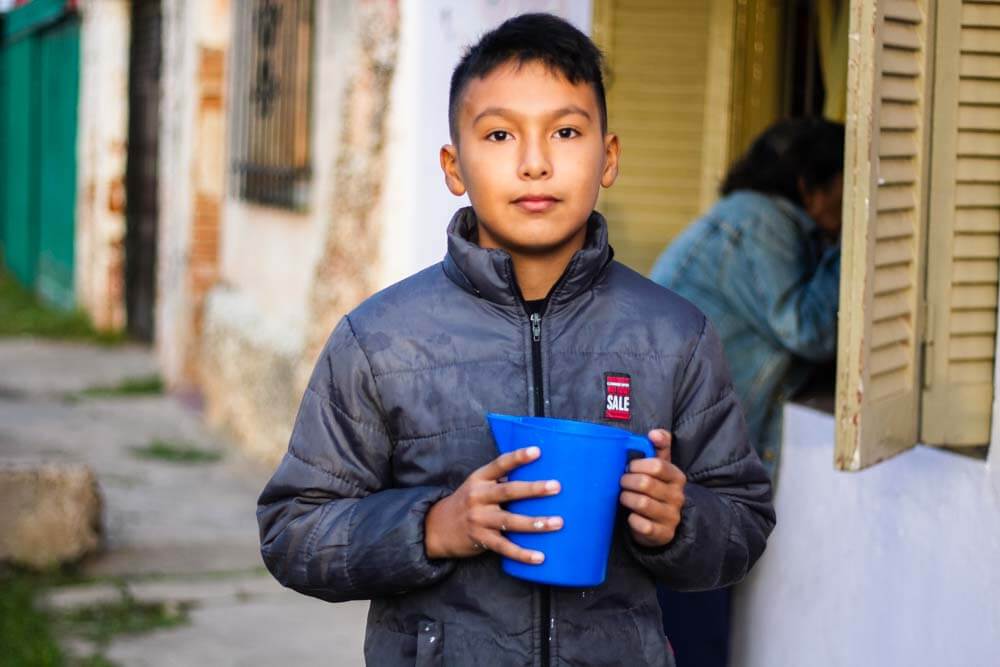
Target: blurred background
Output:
{"points": [[193, 192]]}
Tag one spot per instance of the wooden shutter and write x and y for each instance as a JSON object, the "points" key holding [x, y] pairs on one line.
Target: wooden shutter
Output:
{"points": [[964, 234], [883, 241], [658, 54]]}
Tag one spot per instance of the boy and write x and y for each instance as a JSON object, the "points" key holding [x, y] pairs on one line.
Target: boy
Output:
{"points": [[391, 489]]}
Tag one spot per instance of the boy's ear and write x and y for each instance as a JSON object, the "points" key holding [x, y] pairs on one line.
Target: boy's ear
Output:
{"points": [[452, 172], [612, 153]]}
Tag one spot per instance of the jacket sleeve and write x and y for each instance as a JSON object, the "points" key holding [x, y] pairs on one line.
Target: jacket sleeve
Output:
{"points": [[727, 513], [783, 300], [331, 524]]}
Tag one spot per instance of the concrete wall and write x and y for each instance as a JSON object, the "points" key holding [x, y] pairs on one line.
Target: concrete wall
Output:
{"points": [[433, 36], [895, 565], [102, 134]]}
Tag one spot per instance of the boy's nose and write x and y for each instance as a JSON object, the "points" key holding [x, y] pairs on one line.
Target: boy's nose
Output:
{"points": [[535, 163]]}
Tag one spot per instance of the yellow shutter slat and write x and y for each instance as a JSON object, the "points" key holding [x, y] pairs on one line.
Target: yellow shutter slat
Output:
{"points": [[985, 246], [979, 91], [978, 118], [972, 348], [974, 271], [901, 35], [890, 332], [971, 322], [903, 10], [980, 15], [894, 224], [977, 220], [885, 181], [978, 143], [978, 170], [980, 40], [978, 65], [978, 194], [964, 246], [891, 279]]}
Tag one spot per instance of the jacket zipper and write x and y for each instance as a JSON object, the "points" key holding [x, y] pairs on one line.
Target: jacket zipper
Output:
{"points": [[536, 369]]}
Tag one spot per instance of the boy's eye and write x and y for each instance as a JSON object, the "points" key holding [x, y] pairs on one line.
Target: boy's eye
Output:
{"points": [[498, 135], [566, 133]]}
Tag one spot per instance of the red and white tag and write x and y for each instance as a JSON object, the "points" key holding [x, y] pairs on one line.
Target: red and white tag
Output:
{"points": [[618, 396]]}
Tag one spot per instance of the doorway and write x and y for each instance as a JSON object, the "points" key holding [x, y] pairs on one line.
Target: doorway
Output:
{"points": [[142, 210]]}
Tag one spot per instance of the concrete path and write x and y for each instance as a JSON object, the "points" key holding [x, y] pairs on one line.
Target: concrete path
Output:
{"points": [[180, 533]]}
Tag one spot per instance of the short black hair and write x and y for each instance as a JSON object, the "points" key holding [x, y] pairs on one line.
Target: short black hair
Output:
{"points": [[528, 38], [809, 148]]}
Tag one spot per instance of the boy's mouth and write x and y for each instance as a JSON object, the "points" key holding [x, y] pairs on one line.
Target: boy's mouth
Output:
{"points": [[536, 203]]}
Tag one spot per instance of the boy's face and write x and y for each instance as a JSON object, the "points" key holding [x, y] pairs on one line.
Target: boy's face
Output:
{"points": [[531, 154]]}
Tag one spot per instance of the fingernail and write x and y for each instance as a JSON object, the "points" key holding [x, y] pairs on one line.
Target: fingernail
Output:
{"points": [[534, 451], [537, 557], [556, 522], [552, 486]]}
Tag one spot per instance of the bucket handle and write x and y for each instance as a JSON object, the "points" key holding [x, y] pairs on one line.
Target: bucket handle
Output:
{"points": [[640, 444]]}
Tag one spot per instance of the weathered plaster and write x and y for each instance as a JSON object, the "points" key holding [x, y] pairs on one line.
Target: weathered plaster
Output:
{"points": [[101, 161]]}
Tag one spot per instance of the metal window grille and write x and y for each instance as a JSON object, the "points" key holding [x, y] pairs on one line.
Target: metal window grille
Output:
{"points": [[271, 81]]}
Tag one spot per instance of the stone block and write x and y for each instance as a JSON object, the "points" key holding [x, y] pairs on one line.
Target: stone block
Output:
{"points": [[49, 513]]}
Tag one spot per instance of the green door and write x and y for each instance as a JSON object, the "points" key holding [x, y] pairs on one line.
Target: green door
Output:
{"points": [[18, 116], [58, 78], [39, 79]]}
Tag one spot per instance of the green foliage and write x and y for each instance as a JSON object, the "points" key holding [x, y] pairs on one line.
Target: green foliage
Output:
{"points": [[21, 314], [25, 633], [140, 386], [126, 616], [176, 452]]}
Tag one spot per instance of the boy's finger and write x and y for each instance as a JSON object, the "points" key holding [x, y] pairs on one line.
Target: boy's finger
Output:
{"points": [[658, 468], [503, 464], [645, 506], [663, 441], [497, 494], [648, 485], [501, 545], [518, 523]]}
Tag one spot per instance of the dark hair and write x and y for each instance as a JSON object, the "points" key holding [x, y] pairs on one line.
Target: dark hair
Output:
{"points": [[530, 38], [808, 148]]}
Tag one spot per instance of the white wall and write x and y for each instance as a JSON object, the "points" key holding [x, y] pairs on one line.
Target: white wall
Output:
{"points": [[433, 35], [895, 565], [269, 255], [175, 182]]}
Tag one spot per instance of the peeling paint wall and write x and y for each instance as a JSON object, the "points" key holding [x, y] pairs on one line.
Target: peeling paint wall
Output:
{"points": [[101, 161], [260, 315], [191, 180]]}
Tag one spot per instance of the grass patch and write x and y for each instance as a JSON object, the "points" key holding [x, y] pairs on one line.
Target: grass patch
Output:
{"points": [[28, 632], [21, 314], [25, 632], [176, 452], [100, 623], [141, 386]]}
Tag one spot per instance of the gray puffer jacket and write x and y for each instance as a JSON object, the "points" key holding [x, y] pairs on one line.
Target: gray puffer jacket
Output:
{"points": [[393, 420]]}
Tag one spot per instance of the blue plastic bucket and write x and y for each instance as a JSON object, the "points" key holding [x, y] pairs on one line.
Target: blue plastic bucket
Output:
{"points": [[588, 460]]}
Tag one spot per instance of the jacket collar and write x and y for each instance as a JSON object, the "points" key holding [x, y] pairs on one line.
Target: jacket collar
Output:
{"points": [[489, 272]]}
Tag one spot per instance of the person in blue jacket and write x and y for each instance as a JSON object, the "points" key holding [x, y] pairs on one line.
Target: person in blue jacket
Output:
{"points": [[764, 265]]}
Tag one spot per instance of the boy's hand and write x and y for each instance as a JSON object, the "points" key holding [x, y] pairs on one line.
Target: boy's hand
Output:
{"points": [[470, 520], [653, 489]]}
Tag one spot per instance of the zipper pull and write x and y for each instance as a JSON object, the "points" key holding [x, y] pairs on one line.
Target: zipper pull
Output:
{"points": [[536, 327]]}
